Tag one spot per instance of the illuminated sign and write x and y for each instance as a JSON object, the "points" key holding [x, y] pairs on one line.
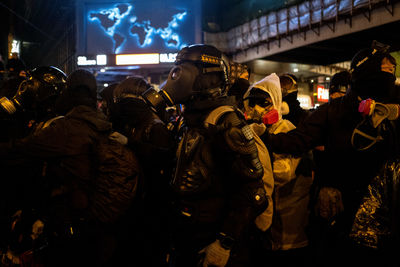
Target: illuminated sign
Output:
{"points": [[168, 58], [113, 27], [101, 60], [305, 101], [322, 94], [15, 46], [137, 59], [84, 61]]}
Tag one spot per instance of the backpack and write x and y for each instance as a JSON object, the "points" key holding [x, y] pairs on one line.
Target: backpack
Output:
{"points": [[115, 181]]}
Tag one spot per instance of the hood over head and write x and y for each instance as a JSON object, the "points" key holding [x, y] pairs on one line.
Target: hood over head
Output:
{"points": [[271, 85]]}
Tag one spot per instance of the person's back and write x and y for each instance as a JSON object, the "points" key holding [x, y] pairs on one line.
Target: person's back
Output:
{"points": [[139, 128], [66, 145]]}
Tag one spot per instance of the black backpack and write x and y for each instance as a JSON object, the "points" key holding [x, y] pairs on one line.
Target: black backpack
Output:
{"points": [[116, 180]]}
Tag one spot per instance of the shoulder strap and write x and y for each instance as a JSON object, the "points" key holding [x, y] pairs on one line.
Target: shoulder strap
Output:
{"points": [[214, 115], [47, 123]]}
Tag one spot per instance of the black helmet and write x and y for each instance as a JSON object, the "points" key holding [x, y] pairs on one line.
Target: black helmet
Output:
{"points": [[44, 84], [200, 71], [367, 78], [132, 87], [82, 83], [340, 82]]}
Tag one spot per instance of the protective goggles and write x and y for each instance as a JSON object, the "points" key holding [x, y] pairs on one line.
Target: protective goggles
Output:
{"points": [[262, 102]]}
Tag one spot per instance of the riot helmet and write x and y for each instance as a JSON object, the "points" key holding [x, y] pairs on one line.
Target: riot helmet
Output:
{"points": [[43, 86], [131, 87], [199, 71], [368, 77]]}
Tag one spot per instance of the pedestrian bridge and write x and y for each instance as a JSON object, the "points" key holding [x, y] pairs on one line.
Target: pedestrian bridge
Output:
{"points": [[279, 34]]}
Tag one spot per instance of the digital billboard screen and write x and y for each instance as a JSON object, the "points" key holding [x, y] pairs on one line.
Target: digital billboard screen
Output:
{"points": [[141, 26]]}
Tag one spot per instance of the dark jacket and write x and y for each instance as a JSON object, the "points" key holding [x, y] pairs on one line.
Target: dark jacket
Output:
{"points": [[296, 113], [332, 125], [66, 145]]}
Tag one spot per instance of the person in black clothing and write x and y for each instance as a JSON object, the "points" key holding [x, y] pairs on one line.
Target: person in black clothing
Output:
{"points": [[240, 85], [33, 103], [296, 114], [339, 84], [106, 101], [64, 147], [217, 186], [137, 126], [361, 141]]}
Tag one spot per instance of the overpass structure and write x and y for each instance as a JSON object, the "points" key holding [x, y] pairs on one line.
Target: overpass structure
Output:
{"points": [[312, 32]]}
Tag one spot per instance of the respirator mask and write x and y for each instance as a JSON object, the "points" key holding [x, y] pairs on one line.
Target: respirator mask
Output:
{"points": [[259, 110], [370, 130]]}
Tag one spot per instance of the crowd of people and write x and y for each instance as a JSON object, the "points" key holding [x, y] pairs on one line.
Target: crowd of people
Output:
{"points": [[209, 170]]}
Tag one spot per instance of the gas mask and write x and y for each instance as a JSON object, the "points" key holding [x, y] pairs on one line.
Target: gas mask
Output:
{"points": [[259, 110], [180, 84], [190, 77], [45, 83], [369, 131]]}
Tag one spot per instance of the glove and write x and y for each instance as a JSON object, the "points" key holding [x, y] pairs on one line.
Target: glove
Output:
{"points": [[215, 255], [120, 138], [259, 128], [329, 203]]}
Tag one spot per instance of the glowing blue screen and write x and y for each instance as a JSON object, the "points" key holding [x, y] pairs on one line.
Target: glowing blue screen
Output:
{"points": [[139, 26]]}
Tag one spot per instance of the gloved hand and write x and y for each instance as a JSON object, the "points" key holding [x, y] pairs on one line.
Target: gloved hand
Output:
{"points": [[259, 128], [120, 138], [329, 202], [215, 255]]}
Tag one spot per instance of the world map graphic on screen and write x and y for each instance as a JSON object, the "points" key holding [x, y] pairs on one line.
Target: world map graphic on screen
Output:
{"points": [[128, 28]]}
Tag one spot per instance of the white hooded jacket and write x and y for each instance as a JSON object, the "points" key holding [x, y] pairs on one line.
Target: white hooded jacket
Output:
{"points": [[284, 166], [291, 193]]}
